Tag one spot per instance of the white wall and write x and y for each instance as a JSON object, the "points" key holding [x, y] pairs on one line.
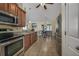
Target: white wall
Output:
{"points": [[42, 16]]}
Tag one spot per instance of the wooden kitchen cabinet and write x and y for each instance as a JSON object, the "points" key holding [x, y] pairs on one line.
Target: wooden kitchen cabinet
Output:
{"points": [[13, 8], [9, 8], [23, 20], [34, 37], [21, 17], [4, 7], [27, 41], [16, 10]]}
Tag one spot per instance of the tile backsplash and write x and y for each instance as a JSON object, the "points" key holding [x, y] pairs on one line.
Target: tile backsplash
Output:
{"points": [[19, 29]]}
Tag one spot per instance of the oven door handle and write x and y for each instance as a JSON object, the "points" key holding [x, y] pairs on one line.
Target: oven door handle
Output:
{"points": [[12, 41]]}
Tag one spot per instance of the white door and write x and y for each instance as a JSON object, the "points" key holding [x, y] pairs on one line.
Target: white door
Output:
{"points": [[72, 29]]}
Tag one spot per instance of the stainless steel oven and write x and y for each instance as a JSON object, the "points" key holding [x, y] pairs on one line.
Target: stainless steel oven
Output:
{"points": [[12, 48]]}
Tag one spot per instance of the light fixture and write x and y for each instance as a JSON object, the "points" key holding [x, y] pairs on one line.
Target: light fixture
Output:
{"points": [[30, 22], [42, 4]]}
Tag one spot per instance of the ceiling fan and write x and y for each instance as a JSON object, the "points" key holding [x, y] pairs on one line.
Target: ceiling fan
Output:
{"points": [[44, 5]]}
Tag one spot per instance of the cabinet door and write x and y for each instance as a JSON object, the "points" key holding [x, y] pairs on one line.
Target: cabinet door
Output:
{"points": [[23, 20], [12, 8], [33, 37], [27, 41], [19, 16], [36, 37], [4, 7]]}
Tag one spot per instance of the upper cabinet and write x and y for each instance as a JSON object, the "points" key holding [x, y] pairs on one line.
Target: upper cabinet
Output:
{"points": [[14, 9], [3, 6], [21, 17]]}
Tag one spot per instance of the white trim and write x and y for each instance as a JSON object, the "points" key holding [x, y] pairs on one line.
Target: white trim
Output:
{"points": [[63, 9]]}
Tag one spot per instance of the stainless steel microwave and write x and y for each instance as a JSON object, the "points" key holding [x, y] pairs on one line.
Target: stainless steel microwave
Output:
{"points": [[6, 18]]}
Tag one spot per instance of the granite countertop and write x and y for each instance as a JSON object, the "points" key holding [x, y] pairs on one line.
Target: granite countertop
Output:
{"points": [[21, 33], [25, 33]]}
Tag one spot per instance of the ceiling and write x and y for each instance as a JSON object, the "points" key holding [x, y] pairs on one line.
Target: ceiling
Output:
{"points": [[40, 14]]}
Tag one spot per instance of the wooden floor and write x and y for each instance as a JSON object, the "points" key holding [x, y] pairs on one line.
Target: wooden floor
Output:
{"points": [[42, 47]]}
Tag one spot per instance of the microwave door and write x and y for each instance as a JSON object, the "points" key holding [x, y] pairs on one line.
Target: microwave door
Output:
{"points": [[7, 19]]}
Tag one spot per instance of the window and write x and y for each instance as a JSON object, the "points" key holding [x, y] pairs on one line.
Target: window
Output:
{"points": [[49, 27]]}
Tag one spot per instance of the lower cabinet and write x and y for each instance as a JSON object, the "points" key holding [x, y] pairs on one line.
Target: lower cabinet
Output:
{"points": [[36, 37], [29, 39], [33, 37]]}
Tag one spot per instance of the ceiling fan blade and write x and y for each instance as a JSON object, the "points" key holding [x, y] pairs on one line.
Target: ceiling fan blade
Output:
{"points": [[45, 7], [37, 6], [49, 3]]}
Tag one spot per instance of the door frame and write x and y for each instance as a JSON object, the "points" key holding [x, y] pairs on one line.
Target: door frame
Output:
{"points": [[63, 12]]}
